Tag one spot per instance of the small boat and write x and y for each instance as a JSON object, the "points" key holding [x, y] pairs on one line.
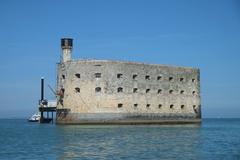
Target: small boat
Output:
{"points": [[35, 117]]}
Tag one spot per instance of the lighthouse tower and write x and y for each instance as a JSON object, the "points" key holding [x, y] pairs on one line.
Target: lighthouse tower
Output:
{"points": [[66, 44]]}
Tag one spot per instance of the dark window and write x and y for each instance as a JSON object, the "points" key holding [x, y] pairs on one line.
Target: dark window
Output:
{"points": [[120, 105], [97, 75], [120, 89], [159, 91], [193, 80], [98, 89], [134, 76], [77, 90], [135, 105], [148, 105], [171, 91], [181, 79], [171, 106], [147, 77], [193, 92], [119, 75], [62, 90], [63, 76], [182, 106], [77, 75], [159, 77], [182, 91], [195, 109], [160, 106], [147, 90], [135, 90], [170, 79]]}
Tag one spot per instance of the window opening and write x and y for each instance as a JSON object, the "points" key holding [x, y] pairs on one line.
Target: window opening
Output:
{"points": [[159, 77], [77, 90], [147, 77], [97, 75], [120, 89], [195, 109], [134, 76], [77, 75], [120, 105], [119, 75], [135, 90], [98, 89], [147, 90]]}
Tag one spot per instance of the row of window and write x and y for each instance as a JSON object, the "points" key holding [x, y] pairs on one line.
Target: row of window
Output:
{"points": [[134, 77], [171, 106], [135, 90]]}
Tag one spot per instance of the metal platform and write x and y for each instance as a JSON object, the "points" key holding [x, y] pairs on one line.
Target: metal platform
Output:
{"points": [[46, 110]]}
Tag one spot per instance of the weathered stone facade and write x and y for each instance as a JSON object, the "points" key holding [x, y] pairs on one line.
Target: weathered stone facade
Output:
{"points": [[101, 91]]}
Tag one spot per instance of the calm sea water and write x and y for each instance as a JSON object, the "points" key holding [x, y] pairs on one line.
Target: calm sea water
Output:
{"points": [[214, 139]]}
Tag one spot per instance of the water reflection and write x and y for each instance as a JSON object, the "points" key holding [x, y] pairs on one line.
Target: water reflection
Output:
{"points": [[132, 142]]}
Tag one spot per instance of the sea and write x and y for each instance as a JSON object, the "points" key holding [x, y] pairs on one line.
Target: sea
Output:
{"points": [[214, 139]]}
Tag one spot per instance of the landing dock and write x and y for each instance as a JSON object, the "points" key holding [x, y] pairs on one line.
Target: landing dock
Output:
{"points": [[47, 110]]}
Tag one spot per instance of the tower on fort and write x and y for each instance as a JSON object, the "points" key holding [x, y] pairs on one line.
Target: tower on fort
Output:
{"points": [[66, 44]]}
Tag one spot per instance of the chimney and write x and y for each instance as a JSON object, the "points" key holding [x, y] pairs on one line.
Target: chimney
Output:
{"points": [[42, 89], [66, 44]]}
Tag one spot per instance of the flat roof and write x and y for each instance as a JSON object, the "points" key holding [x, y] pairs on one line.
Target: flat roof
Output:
{"points": [[129, 62]]}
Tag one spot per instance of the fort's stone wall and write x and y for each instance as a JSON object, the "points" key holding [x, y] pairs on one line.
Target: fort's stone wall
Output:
{"points": [[111, 91]]}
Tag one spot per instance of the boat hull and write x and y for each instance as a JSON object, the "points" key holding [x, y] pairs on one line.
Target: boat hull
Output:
{"points": [[29, 120]]}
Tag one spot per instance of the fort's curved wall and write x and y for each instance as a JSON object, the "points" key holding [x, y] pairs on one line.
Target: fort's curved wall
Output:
{"points": [[96, 91]]}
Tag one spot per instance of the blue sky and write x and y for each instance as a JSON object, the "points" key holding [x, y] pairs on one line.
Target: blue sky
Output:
{"points": [[203, 34]]}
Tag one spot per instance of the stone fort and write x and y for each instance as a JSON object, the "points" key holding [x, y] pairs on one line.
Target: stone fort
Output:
{"points": [[118, 92]]}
